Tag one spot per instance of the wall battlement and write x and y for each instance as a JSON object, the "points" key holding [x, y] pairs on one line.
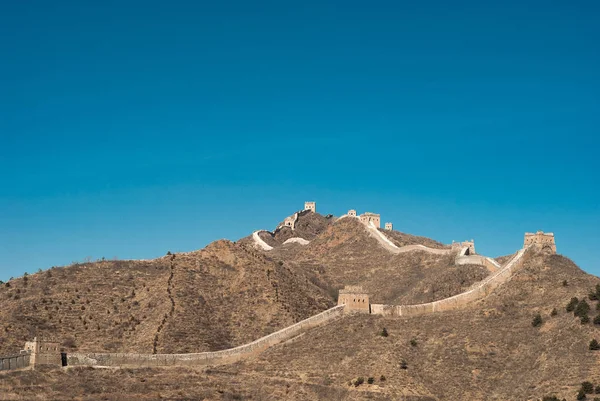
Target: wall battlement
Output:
{"points": [[541, 240], [44, 352], [371, 218]]}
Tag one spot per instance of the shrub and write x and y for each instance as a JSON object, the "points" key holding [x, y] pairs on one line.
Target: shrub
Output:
{"points": [[359, 381], [582, 309], [384, 332], [597, 390], [594, 345], [593, 296], [587, 387], [382, 378], [550, 398], [7, 285], [413, 342], [403, 364], [537, 320], [565, 283], [554, 312], [597, 319], [370, 380], [169, 253], [572, 304], [585, 319], [581, 395]]}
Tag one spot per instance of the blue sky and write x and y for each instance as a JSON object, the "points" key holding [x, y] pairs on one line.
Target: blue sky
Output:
{"points": [[132, 128]]}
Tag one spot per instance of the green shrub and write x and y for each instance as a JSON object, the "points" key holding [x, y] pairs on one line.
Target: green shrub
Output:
{"points": [[582, 309], [572, 304], [585, 319], [597, 390], [370, 380], [581, 395], [554, 312], [597, 319], [565, 283], [382, 378], [413, 342], [537, 320], [587, 387], [594, 345], [403, 364], [384, 332], [359, 381], [550, 398]]}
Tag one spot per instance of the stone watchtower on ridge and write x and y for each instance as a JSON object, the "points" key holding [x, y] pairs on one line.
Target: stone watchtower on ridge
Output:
{"points": [[367, 218], [310, 206], [355, 299], [541, 240]]}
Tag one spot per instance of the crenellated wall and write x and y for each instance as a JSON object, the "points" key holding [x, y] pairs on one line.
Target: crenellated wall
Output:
{"points": [[206, 358]]}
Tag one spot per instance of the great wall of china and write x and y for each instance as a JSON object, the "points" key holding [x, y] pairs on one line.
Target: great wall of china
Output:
{"points": [[350, 300]]}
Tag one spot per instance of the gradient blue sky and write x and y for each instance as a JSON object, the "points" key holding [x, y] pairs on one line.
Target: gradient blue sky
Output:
{"points": [[132, 128]]}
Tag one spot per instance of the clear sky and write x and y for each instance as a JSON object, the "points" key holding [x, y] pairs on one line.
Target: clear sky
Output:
{"points": [[128, 129]]}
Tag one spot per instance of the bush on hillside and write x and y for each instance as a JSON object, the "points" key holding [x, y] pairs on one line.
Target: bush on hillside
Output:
{"points": [[572, 304], [359, 381], [597, 390], [413, 342], [384, 332], [594, 345], [403, 365], [537, 320], [587, 387], [585, 319], [582, 309], [370, 380], [565, 283], [581, 395], [554, 312], [382, 378], [597, 319]]}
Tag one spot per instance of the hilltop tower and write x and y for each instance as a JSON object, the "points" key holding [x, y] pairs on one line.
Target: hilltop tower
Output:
{"points": [[352, 213], [355, 299], [541, 240], [310, 206], [374, 218], [389, 226]]}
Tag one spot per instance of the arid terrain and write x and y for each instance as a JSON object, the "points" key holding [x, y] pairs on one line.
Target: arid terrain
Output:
{"points": [[228, 294]]}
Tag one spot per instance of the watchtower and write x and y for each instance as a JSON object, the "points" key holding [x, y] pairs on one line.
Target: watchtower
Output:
{"points": [[389, 226], [367, 218], [44, 352], [352, 213], [310, 206], [355, 299], [541, 240]]}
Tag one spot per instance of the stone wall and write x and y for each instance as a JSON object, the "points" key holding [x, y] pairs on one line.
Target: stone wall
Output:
{"points": [[206, 358], [13, 362], [478, 291], [479, 260]]}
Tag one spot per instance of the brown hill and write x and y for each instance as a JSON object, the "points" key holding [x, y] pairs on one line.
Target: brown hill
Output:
{"points": [[225, 295]]}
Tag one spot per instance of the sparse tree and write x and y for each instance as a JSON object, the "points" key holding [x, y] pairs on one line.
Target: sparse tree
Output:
{"points": [[403, 365], [582, 309], [585, 319], [587, 387], [537, 320], [413, 342], [597, 319], [359, 381], [370, 380], [554, 312], [572, 304], [384, 332], [594, 345], [382, 378], [581, 395]]}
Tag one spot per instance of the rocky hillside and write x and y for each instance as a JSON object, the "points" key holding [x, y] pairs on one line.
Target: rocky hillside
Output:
{"points": [[222, 296]]}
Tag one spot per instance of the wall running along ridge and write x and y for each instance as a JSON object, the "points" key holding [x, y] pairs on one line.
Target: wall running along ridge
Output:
{"points": [[259, 243], [478, 291], [14, 362], [297, 240], [206, 358], [390, 246], [484, 261]]}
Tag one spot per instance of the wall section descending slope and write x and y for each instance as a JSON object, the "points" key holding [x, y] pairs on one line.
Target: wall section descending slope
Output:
{"points": [[479, 291], [206, 358]]}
